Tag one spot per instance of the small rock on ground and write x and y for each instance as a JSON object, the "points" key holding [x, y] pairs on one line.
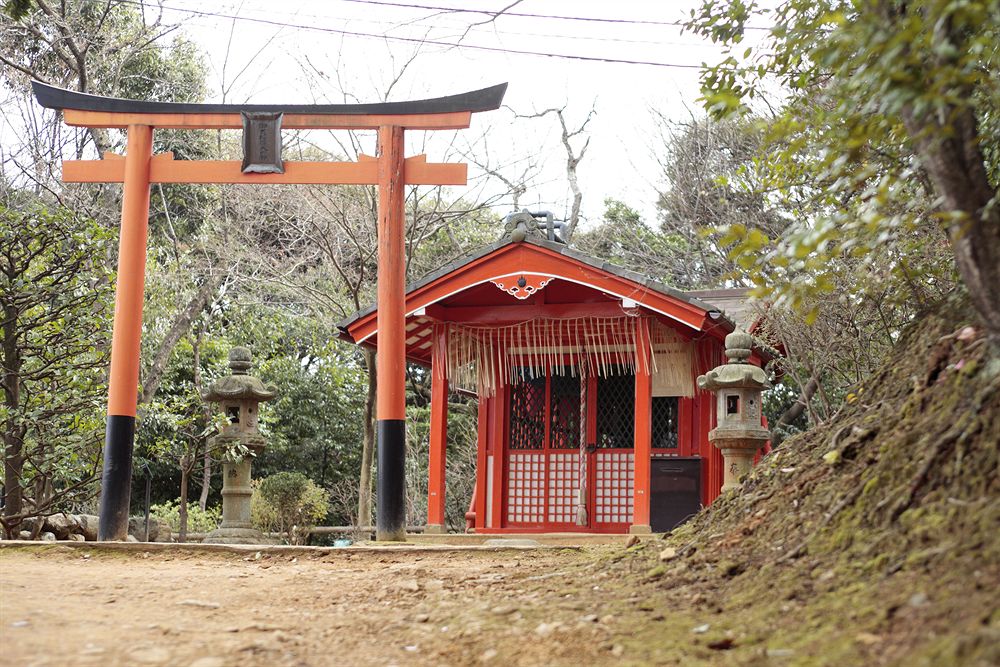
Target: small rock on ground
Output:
{"points": [[503, 610], [209, 661], [411, 585], [515, 542], [153, 655], [200, 603]]}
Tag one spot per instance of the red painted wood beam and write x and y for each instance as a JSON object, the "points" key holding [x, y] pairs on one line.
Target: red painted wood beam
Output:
{"points": [[499, 423], [164, 169], [438, 435], [455, 120], [643, 434], [482, 436], [520, 313]]}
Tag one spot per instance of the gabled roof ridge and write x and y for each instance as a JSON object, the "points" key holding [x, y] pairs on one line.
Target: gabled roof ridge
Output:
{"points": [[554, 246]]}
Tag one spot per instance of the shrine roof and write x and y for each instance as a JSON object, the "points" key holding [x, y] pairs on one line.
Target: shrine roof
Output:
{"points": [[735, 303], [606, 286], [706, 304]]}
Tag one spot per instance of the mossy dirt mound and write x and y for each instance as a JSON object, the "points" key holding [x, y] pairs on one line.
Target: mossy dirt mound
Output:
{"points": [[874, 539]]}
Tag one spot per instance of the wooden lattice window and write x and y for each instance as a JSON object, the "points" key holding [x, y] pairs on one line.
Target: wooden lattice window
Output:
{"points": [[527, 413], [665, 420], [564, 407], [615, 411]]}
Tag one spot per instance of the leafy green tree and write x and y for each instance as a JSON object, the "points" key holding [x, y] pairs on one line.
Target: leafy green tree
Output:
{"points": [[112, 48], [17, 8], [890, 124], [55, 295], [313, 426], [175, 426], [623, 238], [288, 502], [711, 178], [105, 47], [198, 520]]}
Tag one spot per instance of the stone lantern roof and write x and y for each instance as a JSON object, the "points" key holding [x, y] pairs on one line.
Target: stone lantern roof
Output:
{"points": [[239, 385], [737, 373]]}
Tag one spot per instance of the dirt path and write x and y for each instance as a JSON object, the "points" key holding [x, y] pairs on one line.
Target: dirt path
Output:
{"points": [[68, 607]]}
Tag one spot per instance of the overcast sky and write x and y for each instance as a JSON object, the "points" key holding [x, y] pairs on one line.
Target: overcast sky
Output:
{"points": [[259, 60]]}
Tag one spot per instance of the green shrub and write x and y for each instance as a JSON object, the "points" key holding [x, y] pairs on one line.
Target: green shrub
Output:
{"points": [[286, 501], [199, 521]]}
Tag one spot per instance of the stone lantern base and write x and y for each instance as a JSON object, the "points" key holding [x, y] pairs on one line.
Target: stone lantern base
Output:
{"points": [[236, 527], [234, 536], [737, 461], [738, 447]]}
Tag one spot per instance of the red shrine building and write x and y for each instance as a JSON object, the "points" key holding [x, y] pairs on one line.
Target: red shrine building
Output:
{"points": [[590, 419]]}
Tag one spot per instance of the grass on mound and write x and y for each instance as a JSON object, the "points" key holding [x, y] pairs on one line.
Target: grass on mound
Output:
{"points": [[870, 540]]}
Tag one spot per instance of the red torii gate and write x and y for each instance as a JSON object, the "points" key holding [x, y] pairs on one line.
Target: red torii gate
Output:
{"points": [[390, 171]]}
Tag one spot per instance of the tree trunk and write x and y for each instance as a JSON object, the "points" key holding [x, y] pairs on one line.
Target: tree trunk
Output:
{"points": [[368, 447], [13, 432], [182, 511], [793, 413], [572, 162], [180, 326], [322, 467], [954, 160], [206, 413], [574, 213], [206, 480]]}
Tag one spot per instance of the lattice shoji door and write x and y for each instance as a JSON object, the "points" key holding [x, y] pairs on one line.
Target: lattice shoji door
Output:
{"points": [[564, 487], [543, 473], [614, 484], [526, 488]]}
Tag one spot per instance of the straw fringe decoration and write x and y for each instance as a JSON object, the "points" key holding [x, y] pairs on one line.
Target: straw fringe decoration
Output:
{"points": [[673, 362], [490, 357]]}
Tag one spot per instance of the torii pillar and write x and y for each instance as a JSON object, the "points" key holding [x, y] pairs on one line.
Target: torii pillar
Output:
{"points": [[390, 361], [262, 123]]}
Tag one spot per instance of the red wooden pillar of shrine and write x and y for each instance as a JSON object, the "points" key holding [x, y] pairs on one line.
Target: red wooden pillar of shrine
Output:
{"points": [[499, 437], [708, 355], [643, 430], [482, 440], [439, 433]]}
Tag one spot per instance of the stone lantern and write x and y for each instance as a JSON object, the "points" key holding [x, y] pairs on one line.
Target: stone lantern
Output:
{"points": [[240, 395], [737, 386]]}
